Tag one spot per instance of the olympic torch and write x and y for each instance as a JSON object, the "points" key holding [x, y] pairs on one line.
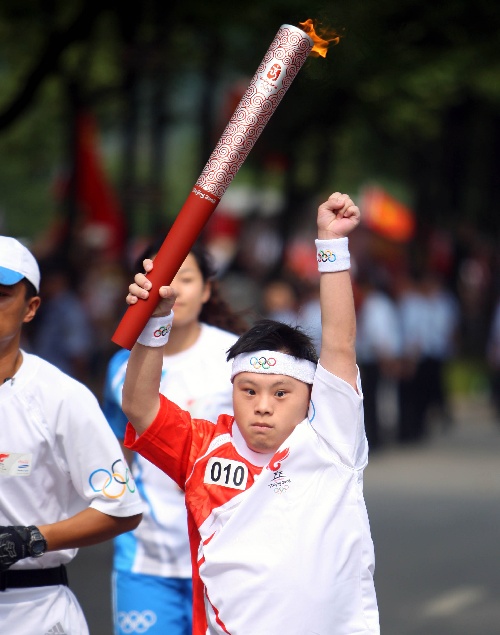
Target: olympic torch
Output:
{"points": [[283, 60]]}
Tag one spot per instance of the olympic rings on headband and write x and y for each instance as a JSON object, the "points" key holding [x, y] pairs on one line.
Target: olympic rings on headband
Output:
{"points": [[262, 362]]}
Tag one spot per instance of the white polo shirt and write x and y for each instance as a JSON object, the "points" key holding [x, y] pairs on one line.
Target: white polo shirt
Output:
{"points": [[58, 455]]}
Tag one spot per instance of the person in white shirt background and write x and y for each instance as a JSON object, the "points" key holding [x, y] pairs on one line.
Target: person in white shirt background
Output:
{"points": [[378, 347], [429, 318], [64, 482], [442, 326], [152, 568]]}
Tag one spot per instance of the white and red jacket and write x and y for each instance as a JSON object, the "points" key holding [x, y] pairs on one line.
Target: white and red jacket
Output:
{"points": [[280, 543]]}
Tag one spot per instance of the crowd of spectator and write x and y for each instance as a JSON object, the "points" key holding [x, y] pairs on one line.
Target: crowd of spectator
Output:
{"points": [[414, 322]]}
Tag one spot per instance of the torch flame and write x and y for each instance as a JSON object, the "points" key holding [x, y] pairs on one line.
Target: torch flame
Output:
{"points": [[321, 42]]}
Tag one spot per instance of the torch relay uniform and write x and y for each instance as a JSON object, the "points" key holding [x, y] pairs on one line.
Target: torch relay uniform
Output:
{"points": [[248, 512], [152, 565], [57, 457]]}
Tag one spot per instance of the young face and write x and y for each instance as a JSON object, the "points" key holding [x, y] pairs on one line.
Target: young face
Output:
{"points": [[192, 292], [15, 310], [267, 408]]}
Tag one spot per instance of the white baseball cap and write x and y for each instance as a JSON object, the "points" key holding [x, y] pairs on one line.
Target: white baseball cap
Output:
{"points": [[16, 263]]}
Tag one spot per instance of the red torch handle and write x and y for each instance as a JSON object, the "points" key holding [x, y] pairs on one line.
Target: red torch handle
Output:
{"points": [[190, 221]]}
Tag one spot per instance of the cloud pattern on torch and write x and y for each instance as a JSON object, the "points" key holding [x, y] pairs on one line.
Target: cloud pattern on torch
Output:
{"points": [[283, 60]]}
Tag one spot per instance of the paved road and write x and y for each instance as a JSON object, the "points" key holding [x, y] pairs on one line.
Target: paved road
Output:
{"points": [[435, 517]]}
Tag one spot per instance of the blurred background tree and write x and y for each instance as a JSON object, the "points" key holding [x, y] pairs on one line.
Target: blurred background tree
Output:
{"points": [[410, 97], [110, 110]]}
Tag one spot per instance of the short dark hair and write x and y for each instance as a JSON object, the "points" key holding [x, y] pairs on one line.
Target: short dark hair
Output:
{"points": [[276, 336], [30, 291]]}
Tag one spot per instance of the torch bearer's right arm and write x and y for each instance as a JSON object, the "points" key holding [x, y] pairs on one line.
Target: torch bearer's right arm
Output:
{"points": [[140, 397]]}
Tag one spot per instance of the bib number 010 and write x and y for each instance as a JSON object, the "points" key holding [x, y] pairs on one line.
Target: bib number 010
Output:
{"points": [[227, 473]]}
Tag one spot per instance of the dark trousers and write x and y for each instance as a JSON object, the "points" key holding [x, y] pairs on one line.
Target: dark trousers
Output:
{"points": [[412, 406], [417, 394]]}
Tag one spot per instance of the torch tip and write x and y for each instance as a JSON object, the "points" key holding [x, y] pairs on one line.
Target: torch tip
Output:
{"points": [[321, 40]]}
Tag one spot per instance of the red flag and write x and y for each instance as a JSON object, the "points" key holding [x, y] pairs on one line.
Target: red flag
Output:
{"points": [[103, 221], [387, 216]]}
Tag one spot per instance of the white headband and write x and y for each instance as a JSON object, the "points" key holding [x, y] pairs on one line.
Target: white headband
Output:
{"points": [[274, 363]]}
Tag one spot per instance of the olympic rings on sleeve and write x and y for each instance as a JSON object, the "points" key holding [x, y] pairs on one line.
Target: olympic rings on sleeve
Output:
{"points": [[112, 483]]}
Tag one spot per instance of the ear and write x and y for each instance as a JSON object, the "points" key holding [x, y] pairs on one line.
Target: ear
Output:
{"points": [[207, 292], [32, 308]]}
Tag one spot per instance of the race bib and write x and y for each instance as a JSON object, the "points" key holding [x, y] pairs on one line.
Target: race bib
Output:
{"points": [[227, 473]]}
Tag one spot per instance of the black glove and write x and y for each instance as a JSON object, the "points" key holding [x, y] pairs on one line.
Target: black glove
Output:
{"points": [[19, 542]]}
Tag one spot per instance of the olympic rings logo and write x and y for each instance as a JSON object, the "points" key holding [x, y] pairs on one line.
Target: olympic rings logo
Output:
{"points": [[113, 484], [163, 331], [135, 621], [281, 489], [262, 362], [326, 256]]}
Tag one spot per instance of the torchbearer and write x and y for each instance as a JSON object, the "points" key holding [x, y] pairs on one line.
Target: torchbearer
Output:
{"points": [[283, 60], [278, 528]]}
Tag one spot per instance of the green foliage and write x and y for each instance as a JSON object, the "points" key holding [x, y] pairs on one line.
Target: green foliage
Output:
{"points": [[382, 98], [30, 154]]}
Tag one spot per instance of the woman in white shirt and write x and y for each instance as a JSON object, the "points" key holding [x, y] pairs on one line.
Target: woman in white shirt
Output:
{"points": [[152, 566]]}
